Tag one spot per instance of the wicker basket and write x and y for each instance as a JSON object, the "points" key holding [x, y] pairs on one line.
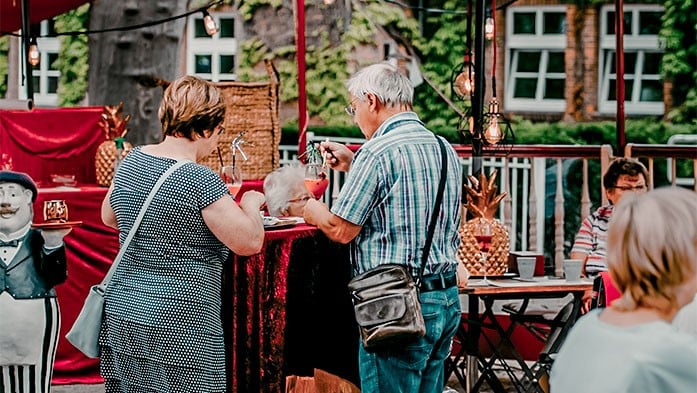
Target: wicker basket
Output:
{"points": [[251, 107]]}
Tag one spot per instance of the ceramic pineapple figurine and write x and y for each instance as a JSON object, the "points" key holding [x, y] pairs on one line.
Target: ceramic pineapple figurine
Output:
{"points": [[482, 202], [114, 126]]}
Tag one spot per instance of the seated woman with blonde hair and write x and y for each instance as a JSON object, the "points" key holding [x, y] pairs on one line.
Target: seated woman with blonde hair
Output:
{"points": [[285, 191], [631, 346]]}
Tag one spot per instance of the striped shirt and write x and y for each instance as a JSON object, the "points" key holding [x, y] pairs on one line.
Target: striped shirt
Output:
{"points": [[592, 239], [390, 191]]}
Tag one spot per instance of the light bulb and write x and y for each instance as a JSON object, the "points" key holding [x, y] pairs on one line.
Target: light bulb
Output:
{"points": [[489, 28], [209, 23], [329, 2], [464, 82], [493, 131], [34, 54]]}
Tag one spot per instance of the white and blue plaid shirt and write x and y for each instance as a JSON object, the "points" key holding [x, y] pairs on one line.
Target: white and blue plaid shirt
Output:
{"points": [[390, 191]]}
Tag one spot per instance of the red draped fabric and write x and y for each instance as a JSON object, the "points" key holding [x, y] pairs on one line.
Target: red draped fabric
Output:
{"points": [[61, 141], [11, 11]]}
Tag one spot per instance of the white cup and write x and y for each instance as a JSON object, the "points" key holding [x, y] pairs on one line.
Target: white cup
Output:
{"points": [[526, 267], [572, 269]]}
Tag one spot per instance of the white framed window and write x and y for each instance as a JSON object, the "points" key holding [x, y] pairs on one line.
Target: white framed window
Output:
{"points": [[642, 59], [45, 75], [212, 57], [535, 63]]}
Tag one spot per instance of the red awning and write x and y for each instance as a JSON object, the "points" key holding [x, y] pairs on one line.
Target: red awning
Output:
{"points": [[11, 11]]}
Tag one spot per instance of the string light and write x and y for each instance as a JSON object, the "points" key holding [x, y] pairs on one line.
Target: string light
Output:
{"points": [[489, 27], [126, 28], [493, 133], [464, 82], [209, 23], [34, 54]]}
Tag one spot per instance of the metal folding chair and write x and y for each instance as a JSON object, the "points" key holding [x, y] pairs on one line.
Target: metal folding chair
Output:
{"points": [[560, 327]]}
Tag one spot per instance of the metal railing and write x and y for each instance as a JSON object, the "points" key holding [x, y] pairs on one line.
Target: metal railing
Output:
{"points": [[551, 188]]}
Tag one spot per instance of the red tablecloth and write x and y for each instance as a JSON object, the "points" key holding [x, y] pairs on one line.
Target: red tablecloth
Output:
{"points": [[42, 142], [270, 300]]}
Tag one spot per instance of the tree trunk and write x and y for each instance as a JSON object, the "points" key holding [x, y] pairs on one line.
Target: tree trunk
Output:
{"points": [[123, 63]]}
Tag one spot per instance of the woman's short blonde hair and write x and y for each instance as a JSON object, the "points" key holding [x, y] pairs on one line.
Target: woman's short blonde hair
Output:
{"points": [[652, 247], [190, 105]]}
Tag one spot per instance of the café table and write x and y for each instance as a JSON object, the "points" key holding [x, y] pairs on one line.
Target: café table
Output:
{"points": [[505, 351]]}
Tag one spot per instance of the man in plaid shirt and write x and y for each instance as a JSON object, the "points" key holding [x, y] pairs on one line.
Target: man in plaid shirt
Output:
{"points": [[384, 209]]}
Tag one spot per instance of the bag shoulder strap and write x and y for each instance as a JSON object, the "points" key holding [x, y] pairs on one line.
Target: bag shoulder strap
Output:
{"points": [[138, 219], [436, 210]]}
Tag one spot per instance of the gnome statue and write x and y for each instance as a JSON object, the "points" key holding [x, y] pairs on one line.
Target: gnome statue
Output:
{"points": [[32, 262]]}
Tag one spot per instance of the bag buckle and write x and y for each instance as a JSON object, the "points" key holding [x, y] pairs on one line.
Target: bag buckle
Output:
{"points": [[355, 297]]}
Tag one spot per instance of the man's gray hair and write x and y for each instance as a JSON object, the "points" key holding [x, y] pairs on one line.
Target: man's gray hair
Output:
{"points": [[386, 81]]}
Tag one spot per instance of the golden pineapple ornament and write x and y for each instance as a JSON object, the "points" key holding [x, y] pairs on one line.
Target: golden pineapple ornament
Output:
{"points": [[114, 148], [482, 202]]}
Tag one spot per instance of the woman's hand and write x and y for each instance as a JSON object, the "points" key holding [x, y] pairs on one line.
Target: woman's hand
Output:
{"points": [[336, 155], [252, 200]]}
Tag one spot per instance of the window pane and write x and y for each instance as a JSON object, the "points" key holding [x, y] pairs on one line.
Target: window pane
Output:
{"points": [[612, 92], [652, 63], [649, 22], [199, 29], [610, 23], [51, 27], [529, 62], [554, 23], [52, 57], [524, 23], [630, 62], [651, 91], [36, 83], [227, 64], [554, 88], [203, 64], [525, 88], [52, 85], [556, 62], [628, 87], [610, 55], [227, 27]]}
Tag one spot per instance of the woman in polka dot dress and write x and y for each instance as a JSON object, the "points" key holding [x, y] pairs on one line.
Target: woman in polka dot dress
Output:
{"points": [[162, 329]]}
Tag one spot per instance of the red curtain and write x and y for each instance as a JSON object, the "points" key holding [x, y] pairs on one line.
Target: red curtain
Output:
{"points": [[61, 141], [11, 11]]}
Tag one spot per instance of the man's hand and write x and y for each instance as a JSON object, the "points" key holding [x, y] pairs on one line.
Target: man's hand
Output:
{"points": [[336, 155], [313, 211], [53, 238]]}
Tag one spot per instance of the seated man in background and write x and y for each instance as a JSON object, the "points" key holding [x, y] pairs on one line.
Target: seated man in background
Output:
{"points": [[622, 176], [285, 191]]}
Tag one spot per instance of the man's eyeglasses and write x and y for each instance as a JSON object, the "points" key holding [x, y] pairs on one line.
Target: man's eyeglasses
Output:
{"points": [[350, 109], [630, 188]]}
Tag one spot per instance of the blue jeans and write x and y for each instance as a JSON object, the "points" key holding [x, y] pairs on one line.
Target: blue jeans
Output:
{"points": [[417, 366]]}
